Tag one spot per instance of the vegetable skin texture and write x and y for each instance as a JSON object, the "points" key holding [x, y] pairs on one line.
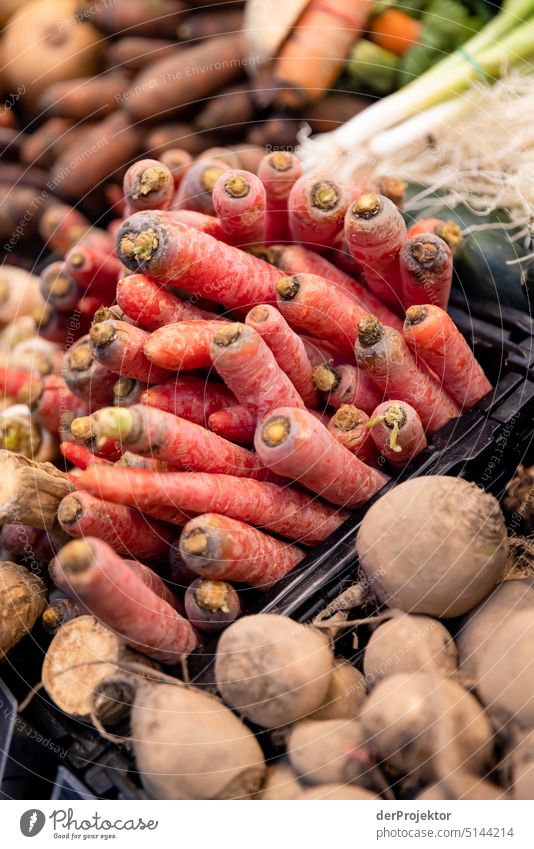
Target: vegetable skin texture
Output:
{"points": [[52, 403], [433, 336], [426, 271], [204, 753], [118, 346], [61, 226], [152, 306], [435, 545], [303, 449], [172, 253], [110, 589], [319, 751], [196, 189], [224, 549], [352, 386], [383, 353], [94, 269], [331, 792], [211, 605], [240, 204], [192, 398], [249, 369], [148, 184], [22, 601], [146, 430], [278, 172], [397, 432], [85, 377], [183, 345], [406, 644], [316, 208], [345, 695], [505, 672], [279, 510], [127, 531], [348, 425], [273, 671], [234, 423], [30, 492]]}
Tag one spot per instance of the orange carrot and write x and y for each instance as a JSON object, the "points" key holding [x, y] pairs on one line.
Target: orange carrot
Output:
{"points": [[220, 548], [79, 455], [348, 426], [152, 306], [432, 335], [192, 398], [397, 432], [346, 384], [395, 31], [234, 423], [118, 346], [183, 345]]}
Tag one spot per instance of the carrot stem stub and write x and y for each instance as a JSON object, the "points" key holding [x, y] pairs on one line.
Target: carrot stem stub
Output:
{"points": [[114, 593], [426, 270], [295, 444], [220, 548], [118, 346], [240, 203], [397, 432]]}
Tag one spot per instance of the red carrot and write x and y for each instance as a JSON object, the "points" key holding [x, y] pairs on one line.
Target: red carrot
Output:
{"points": [[84, 431], [58, 288], [426, 271], [348, 426], [316, 306], [128, 531], [320, 353], [182, 346], [346, 384], [317, 208], [177, 161], [278, 509], [163, 436], [61, 226], [220, 548], [212, 605], [240, 204], [12, 380], [52, 403], [170, 252], [278, 172], [51, 325], [288, 349], [200, 221], [375, 232], [151, 306], [148, 184], [446, 230], [432, 335], [249, 369], [93, 269], [152, 580], [128, 391], [119, 598], [85, 377], [191, 398], [79, 455], [119, 347], [294, 444], [195, 191], [296, 259], [397, 432], [384, 355], [234, 423]]}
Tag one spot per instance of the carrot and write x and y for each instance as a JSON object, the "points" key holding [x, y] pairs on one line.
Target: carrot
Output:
{"points": [[151, 306], [346, 384], [240, 203], [375, 232], [93, 269], [288, 349], [79, 455], [183, 345], [232, 108], [173, 134], [12, 380], [58, 288], [220, 548], [177, 161], [51, 325], [294, 444], [195, 191], [234, 423], [250, 370], [153, 581], [163, 436], [130, 533], [446, 230], [132, 53], [62, 226], [296, 259], [395, 31], [397, 432], [212, 605], [313, 55], [52, 403], [348, 426], [434, 337], [58, 612], [210, 23], [222, 154], [200, 221], [86, 96], [148, 184], [384, 355], [191, 398], [85, 377], [111, 590], [320, 353], [128, 391], [83, 430], [277, 509], [316, 306], [170, 252], [317, 208], [159, 20], [119, 347], [278, 172], [426, 271]]}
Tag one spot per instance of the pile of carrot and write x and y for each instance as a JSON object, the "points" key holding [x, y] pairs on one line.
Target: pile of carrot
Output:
{"points": [[266, 349]]}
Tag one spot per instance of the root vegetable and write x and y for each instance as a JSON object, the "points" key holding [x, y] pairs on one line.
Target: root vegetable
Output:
{"points": [[183, 345], [58, 288], [273, 671], [204, 753], [189, 397], [22, 601], [240, 204], [220, 548], [62, 226], [94, 269], [319, 751], [148, 184], [20, 293], [177, 161], [52, 403], [211, 605], [345, 695], [151, 306], [449, 231], [30, 491], [316, 208], [295, 444], [407, 644], [84, 96], [426, 271], [97, 577], [329, 792], [79, 455], [280, 784], [118, 346], [397, 431], [85, 377], [434, 545], [348, 425], [234, 423], [346, 384], [58, 612], [278, 172], [196, 189]]}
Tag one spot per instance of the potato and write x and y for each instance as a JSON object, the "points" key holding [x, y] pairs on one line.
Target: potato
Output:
{"points": [[345, 695], [46, 41], [434, 545], [409, 644], [319, 751], [326, 792], [188, 745], [272, 670]]}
